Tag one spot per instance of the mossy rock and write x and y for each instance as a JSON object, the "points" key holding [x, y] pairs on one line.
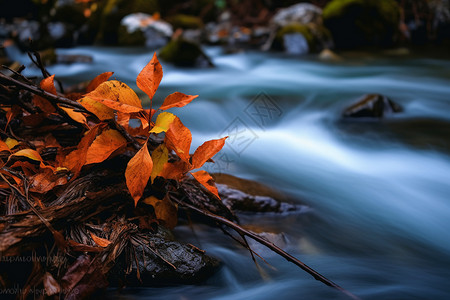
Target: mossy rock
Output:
{"points": [[184, 53], [135, 38], [317, 36], [185, 22], [356, 23], [112, 12]]}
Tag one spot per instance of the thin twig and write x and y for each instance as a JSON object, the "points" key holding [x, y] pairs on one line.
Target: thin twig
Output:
{"points": [[269, 245]]}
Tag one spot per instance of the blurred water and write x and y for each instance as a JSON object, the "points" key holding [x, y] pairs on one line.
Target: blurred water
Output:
{"points": [[380, 190]]}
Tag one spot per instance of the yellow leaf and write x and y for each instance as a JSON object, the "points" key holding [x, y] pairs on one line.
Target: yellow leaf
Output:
{"points": [[116, 91], [163, 122], [138, 172], [100, 110], [104, 145], [29, 153], [165, 210], [11, 143], [160, 156]]}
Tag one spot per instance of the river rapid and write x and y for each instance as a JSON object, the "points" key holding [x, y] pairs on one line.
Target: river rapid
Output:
{"points": [[379, 192]]}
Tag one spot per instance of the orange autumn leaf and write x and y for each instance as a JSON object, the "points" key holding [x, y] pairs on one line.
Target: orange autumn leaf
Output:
{"points": [[121, 107], [98, 80], [76, 159], [206, 151], [178, 138], [149, 78], [176, 170], [165, 210], [74, 115], [138, 172], [3, 146], [177, 99], [100, 241], [104, 145], [207, 181], [11, 143], [101, 111], [47, 84]]}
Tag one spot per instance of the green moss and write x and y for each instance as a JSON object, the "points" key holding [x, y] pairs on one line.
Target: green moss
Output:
{"points": [[185, 22], [135, 38], [356, 23], [295, 28], [181, 53]]}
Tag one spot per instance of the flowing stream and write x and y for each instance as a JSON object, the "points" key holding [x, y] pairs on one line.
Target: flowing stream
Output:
{"points": [[379, 191]]}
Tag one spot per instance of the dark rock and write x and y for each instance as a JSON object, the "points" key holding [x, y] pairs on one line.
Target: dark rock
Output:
{"points": [[297, 38], [249, 196], [74, 58], [355, 23], [372, 106], [184, 53], [163, 261]]}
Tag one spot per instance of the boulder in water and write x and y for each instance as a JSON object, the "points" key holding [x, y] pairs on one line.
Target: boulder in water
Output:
{"points": [[372, 106], [184, 53]]}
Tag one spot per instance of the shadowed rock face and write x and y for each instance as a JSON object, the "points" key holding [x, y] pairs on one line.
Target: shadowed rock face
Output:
{"points": [[372, 106]]}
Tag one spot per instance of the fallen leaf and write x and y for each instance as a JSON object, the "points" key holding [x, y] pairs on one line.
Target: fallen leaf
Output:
{"points": [[4, 146], [74, 115], [98, 80], [150, 77], [104, 145], [160, 157], [206, 151], [177, 99], [138, 172], [165, 210], [29, 153], [100, 241], [207, 181], [178, 138], [11, 143], [46, 181], [163, 122]]}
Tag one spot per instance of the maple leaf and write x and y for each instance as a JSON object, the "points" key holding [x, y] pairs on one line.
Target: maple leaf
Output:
{"points": [[138, 172]]}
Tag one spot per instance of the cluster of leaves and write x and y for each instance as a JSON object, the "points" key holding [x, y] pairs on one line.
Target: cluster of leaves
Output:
{"points": [[158, 148]]}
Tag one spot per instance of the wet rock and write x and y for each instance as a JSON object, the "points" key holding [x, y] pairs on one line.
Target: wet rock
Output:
{"points": [[141, 29], [297, 38], [249, 196], [185, 53], [302, 13], [355, 23], [163, 261], [74, 58], [372, 106]]}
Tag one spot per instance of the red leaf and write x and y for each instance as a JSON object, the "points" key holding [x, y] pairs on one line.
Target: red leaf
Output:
{"points": [[98, 80], [177, 100], [207, 181], [207, 151], [149, 78], [178, 138], [138, 172]]}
